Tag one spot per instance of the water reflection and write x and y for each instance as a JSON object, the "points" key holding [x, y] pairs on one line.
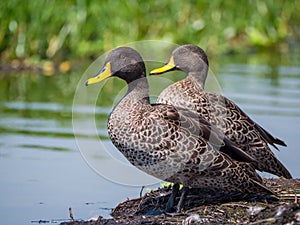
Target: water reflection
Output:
{"points": [[257, 94]]}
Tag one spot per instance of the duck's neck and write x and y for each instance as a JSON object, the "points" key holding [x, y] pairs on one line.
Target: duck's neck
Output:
{"points": [[198, 78], [137, 90]]}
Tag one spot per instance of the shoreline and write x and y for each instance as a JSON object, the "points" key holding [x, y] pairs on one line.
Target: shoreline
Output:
{"points": [[210, 206]]}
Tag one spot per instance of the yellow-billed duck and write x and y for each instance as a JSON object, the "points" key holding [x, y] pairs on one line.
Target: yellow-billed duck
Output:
{"points": [[218, 110], [169, 143]]}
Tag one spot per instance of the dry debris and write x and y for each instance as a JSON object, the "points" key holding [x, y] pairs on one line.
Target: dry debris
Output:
{"points": [[210, 206]]}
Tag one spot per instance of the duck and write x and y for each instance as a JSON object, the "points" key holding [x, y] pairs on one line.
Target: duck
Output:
{"points": [[218, 110], [170, 143]]}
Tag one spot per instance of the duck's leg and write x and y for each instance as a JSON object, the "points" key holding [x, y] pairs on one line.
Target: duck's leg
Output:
{"points": [[182, 198], [172, 197]]}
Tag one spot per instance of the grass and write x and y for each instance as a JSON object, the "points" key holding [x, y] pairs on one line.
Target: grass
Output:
{"points": [[78, 29]]}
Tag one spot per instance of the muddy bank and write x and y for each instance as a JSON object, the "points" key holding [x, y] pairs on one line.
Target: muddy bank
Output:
{"points": [[209, 206]]}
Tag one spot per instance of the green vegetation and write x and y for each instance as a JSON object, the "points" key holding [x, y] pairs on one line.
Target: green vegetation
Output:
{"points": [[64, 30]]}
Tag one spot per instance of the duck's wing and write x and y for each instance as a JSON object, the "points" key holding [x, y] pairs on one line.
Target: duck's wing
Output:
{"points": [[183, 148], [244, 175], [249, 136], [228, 117], [199, 126], [264, 134]]}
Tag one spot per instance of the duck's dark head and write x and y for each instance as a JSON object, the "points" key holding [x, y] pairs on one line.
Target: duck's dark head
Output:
{"points": [[188, 58], [122, 62]]}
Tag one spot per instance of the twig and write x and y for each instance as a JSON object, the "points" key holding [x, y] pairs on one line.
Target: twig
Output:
{"points": [[71, 214], [235, 204], [141, 191], [268, 220]]}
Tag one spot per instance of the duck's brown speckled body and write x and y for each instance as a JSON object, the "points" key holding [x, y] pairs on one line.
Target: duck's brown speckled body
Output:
{"points": [[168, 143], [217, 109]]}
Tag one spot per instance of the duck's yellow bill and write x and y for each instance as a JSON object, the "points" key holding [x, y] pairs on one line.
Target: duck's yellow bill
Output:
{"points": [[103, 74], [169, 66]]}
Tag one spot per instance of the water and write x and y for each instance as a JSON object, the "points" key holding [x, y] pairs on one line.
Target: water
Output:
{"points": [[42, 172]]}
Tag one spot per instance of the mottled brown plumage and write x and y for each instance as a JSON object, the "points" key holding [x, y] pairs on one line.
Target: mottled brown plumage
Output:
{"points": [[169, 143], [217, 109]]}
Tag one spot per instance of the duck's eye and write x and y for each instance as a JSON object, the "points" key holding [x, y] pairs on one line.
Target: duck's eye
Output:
{"points": [[122, 57]]}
